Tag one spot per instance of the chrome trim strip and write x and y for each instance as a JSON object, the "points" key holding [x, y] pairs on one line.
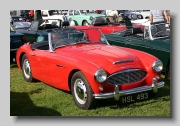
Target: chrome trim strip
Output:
{"points": [[103, 36], [13, 50], [50, 43], [123, 61], [129, 91]]}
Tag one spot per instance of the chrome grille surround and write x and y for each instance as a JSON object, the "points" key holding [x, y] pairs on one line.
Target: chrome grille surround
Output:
{"points": [[126, 77]]}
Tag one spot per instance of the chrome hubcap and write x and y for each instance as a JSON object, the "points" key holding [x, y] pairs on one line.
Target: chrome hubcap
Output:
{"points": [[80, 91], [26, 68]]}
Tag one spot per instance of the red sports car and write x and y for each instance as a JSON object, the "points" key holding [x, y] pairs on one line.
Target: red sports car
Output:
{"points": [[83, 62]]}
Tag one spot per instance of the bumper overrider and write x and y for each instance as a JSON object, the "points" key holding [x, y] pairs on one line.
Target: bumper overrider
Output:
{"points": [[116, 94]]}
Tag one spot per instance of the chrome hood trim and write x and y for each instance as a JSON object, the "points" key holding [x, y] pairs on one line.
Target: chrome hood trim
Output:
{"points": [[123, 61]]}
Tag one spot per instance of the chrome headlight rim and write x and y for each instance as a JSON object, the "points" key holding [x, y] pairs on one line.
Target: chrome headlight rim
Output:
{"points": [[100, 76], [157, 66], [91, 18]]}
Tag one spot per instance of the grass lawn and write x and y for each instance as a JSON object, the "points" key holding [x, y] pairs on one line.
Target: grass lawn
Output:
{"points": [[39, 99]]}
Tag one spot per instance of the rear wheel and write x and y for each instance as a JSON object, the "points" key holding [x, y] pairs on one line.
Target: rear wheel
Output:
{"points": [[82, 92], [85, 23], [26, 69]]}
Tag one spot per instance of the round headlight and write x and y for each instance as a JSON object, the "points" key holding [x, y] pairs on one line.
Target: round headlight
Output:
{"points": [[157, 66], [100, 76], [91, 18]]}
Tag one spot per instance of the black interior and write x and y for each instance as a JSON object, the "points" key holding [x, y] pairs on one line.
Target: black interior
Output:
{"points": [[40, 45]]}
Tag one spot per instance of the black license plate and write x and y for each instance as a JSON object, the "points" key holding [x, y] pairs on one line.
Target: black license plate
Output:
{"points": [[134, 97]]}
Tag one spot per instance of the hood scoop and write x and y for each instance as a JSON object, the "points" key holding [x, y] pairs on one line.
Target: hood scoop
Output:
{"points": [[122, 61]]}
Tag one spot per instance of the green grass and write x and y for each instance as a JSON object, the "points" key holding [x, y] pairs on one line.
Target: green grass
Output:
{"points": [[39, 99]]}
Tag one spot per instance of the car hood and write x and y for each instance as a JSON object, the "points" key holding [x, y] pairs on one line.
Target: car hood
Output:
{"points": [[104, 56]]}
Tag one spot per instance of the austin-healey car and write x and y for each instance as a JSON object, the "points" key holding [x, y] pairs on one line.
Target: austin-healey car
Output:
{"points": [[153, 38], [84, 63]]}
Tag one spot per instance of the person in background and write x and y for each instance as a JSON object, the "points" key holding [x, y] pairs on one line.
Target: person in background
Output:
{"points": [[168, 12], [31, 13], [37, 15], [158, 15], [112, 13]]}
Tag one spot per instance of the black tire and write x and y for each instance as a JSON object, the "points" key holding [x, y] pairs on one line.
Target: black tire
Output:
{"points": [[82, 92], [85, 23], [167, 73], [26, 69]]}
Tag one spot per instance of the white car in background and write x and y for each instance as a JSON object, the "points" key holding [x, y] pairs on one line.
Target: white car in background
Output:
{"points": [[54, 16], [144, 22], [144, 13]]}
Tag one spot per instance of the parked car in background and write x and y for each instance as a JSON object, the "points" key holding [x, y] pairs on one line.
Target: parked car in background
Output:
{"points": [[54, 16], [145, 13], [16, 18], [153, 39], [128, 14], [81, 18], [21, 25], [83, 62], [38, 28], [16, 40]]}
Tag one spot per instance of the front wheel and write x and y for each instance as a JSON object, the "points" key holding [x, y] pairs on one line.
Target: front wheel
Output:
{"points": [[82, 92], [26, 69]]}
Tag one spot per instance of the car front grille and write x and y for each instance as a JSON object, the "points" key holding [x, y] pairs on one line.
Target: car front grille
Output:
{"points": [[126, 76]]}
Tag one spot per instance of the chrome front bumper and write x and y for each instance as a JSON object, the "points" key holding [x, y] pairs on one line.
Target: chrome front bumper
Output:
{"points": [[116, 94]]}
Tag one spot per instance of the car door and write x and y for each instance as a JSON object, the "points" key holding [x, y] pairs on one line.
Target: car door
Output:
{"points": [[78, 17], [39, 65], [161, 49], [138, 43], [58, 69]]}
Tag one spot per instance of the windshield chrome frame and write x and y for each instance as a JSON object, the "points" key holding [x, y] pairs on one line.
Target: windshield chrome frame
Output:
{"points": [[150, 34], [50, 41]]}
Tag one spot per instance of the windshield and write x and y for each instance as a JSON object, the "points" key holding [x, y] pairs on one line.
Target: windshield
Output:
{"points": [[101, 19], [67, 37], [160, 30]]}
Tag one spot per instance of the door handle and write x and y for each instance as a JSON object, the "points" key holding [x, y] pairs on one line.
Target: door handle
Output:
{"points": [[32, 54], [58, 65]]}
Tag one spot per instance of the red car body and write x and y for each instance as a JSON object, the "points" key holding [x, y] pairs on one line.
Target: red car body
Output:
{"points": [[108, 29], [57, 67], [98, 11]]}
